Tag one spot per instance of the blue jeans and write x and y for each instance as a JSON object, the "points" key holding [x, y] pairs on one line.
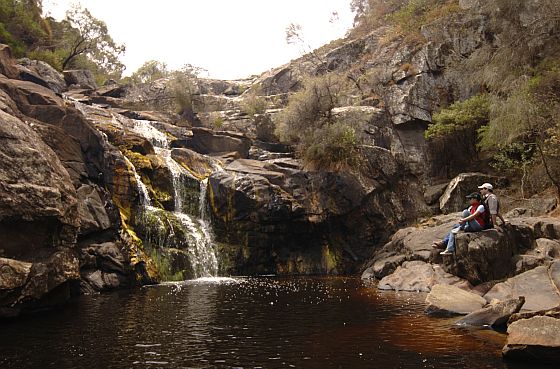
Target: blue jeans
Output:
{"points": [[471, 226]]}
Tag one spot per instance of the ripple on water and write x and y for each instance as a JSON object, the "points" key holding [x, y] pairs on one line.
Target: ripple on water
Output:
{"points": [[248, 322]]}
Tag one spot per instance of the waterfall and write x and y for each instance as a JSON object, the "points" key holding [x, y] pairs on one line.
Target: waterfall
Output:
{"points": [[200, 248], [145, 200]]}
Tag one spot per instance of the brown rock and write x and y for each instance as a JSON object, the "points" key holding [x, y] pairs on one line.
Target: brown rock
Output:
{"points": [[450, 300], [495, 314], [418, 276], [538, 286], [13, 273], [534, 339], [453, 199], [7, 62]]}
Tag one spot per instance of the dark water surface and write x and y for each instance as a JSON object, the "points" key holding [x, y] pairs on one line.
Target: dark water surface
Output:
{"points": [[248, 323]]}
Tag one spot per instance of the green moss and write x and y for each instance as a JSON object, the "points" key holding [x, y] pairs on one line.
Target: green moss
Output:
{"points": [[140, 162]]}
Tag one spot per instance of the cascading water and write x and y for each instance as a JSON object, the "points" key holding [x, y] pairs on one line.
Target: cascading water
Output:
{"points": [[197, 229], [145, 200]]}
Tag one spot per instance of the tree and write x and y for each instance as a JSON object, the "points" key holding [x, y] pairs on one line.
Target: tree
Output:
{"points": [[84, 35], [22, 26], [150, 71]]}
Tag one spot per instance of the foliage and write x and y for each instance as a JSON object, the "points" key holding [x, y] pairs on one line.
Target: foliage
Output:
{"points": [[183, 86], [309, 108], [79, 41], [416, 13], [22, 26], [87, 38], [472, 112], [253, 104], [324, 140], [332, 147], [405, 17], [150, 71]]}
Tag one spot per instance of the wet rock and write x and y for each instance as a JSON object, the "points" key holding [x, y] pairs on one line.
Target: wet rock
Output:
{"points": [[13, 274], [535, 339], [198, 165], [51, 77], [418, 276], [47, 284], [80, 79], [539, 286], [453, 199], [99, 281], [450, 300], [495, 314]]}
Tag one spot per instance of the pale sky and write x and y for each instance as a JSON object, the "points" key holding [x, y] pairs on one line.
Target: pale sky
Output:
{"points": [[229, 38]]}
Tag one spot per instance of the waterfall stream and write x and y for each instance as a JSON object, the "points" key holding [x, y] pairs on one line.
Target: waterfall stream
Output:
{"points": [[188, 226], [197, 229]]}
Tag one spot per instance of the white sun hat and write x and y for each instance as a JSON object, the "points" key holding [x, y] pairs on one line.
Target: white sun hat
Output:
{"points": [[487, 186]]}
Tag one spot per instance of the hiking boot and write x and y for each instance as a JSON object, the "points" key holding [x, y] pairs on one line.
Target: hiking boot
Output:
{"points": [[446, 252]]}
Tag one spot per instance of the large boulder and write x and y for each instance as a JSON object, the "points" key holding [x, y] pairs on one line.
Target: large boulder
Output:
{"points": [[45, 283], [496, 313], [49, 77], [453, 199], [412, 243], [7, 62], [539, 286], [418, 276], [38, 206], [503, 251], [534, 339], [451, 300], [80, 78]]}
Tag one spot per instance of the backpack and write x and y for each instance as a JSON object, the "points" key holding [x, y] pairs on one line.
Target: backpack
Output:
{"points": [[486, 215]]}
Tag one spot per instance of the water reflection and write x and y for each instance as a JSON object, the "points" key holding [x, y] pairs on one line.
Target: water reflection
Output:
{"points": [[247, 323]]}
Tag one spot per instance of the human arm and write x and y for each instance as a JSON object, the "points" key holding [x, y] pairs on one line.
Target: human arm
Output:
{"points": [[479, 210]]}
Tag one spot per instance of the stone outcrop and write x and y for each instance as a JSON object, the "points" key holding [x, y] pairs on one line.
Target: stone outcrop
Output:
{"points": [[43, 74], [58, 179], [451, 300], [534, 338], [418, 276], [272, 211], [502, 252], [495, 314], [539, 286], [453, 198], [80, 79]]}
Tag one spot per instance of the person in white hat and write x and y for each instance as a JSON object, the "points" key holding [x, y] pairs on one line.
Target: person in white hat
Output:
{"points": [[492, 203]]}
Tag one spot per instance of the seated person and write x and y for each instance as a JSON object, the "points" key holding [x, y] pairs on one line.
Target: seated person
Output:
{"points": [[472, 221]]}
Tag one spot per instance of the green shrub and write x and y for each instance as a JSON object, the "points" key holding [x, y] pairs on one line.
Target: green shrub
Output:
{"points": [[53, 58], [332, 147], [471, 113], [253, 105], [310, 108]]}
